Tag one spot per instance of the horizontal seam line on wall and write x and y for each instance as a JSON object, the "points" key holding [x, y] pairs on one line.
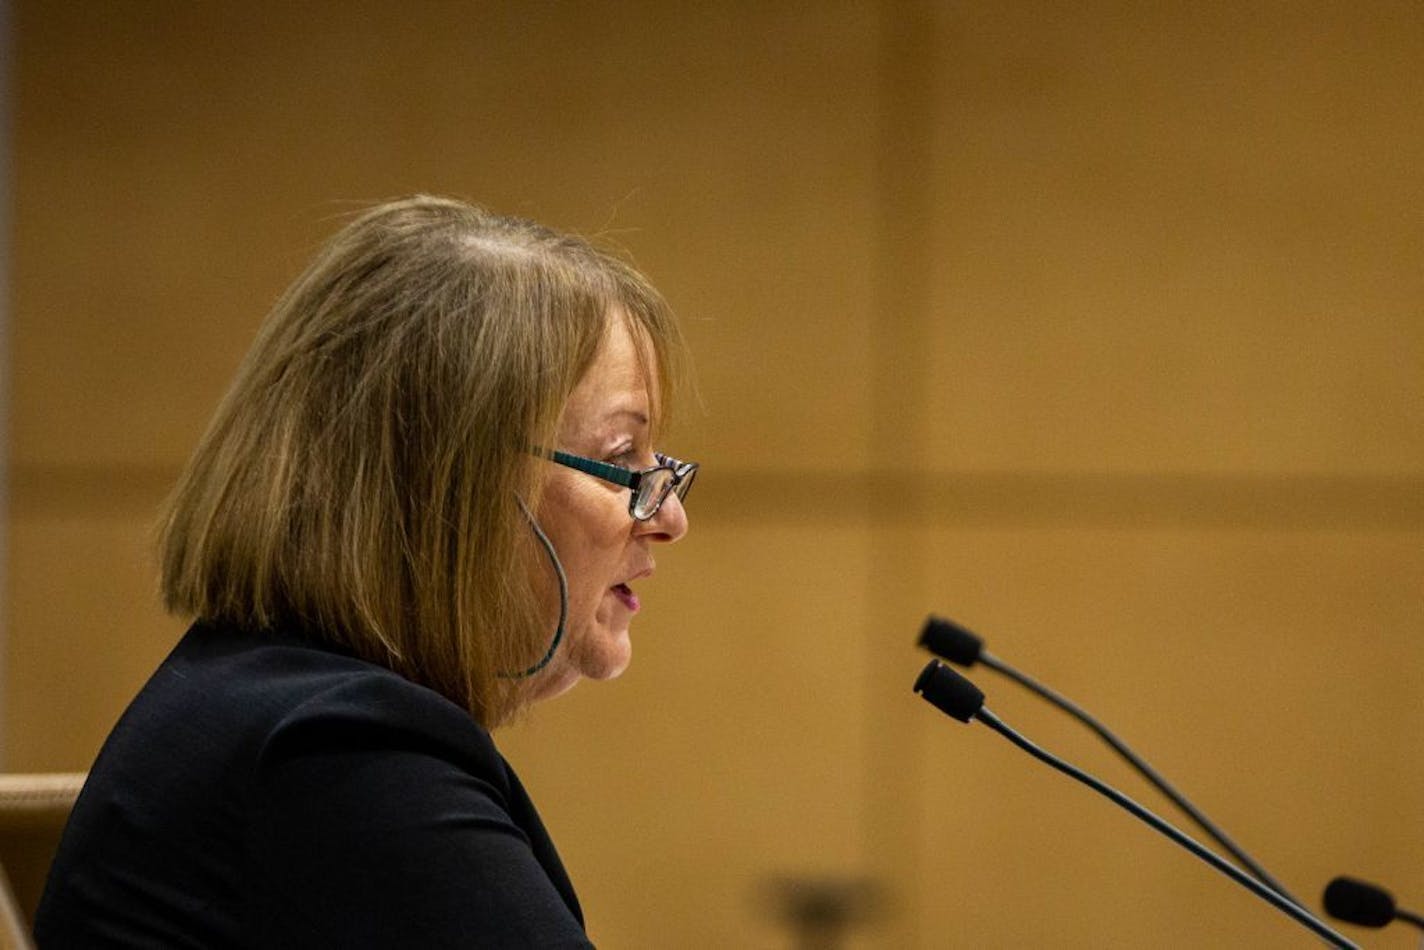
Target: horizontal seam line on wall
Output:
{"points": [[1120, 500]]}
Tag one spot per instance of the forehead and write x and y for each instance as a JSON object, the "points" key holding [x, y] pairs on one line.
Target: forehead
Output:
{"points": [[619, 384]]}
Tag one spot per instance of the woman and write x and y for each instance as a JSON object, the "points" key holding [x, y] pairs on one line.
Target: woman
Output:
{"points": [[423, 505]]}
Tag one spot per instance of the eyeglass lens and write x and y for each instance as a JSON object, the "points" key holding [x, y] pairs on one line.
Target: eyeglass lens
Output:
{"points": [[655, 487], [651, 492]]}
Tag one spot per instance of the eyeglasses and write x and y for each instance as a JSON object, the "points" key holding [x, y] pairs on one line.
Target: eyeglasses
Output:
{"points": [[650, 487]]}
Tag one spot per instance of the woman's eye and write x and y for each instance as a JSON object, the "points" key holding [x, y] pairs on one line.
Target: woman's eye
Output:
{"points": [[631, 459]]}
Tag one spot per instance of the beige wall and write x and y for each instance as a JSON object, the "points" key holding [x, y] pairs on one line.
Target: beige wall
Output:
{"points": [[1097, 327]]}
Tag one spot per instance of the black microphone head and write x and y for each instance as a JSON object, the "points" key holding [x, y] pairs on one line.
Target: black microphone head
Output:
{"points": [[1358, 902], [948, 640], [949, 692]]}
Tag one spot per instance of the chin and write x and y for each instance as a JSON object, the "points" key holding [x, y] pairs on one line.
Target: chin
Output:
{"points": [[609, 667], [604, 655]]}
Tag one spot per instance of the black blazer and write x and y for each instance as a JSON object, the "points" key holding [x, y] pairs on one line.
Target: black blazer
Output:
{"points": [[267, 791]]}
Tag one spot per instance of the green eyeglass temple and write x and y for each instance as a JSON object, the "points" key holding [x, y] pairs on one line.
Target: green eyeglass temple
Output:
{"points": [[649, 487]]}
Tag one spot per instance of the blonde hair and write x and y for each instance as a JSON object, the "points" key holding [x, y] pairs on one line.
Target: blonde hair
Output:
{"points": [[362, 478]]}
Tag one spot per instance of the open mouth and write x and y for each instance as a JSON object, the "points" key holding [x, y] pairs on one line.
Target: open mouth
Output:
{"points": [[625, 594]]}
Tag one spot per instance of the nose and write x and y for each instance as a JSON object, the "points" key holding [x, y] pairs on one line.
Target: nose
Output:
{"points": [[669, 524]]}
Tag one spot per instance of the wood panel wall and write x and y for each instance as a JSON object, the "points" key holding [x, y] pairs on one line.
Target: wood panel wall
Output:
{"points": [[1095, 326]]}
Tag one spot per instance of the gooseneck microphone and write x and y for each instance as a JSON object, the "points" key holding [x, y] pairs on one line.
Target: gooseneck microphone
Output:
{"points": [[1369, 905], [957, 697], [963, 647]]}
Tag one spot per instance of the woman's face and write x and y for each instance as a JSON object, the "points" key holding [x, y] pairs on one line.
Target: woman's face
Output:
{"points": [[604, 551]]}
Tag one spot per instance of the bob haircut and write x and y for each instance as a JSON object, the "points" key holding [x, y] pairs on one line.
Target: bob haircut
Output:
{"points": [[363, 479]]}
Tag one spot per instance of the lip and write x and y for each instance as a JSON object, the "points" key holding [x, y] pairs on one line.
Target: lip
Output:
{"points": [[626, 597], [645, 572], [624, 593]]}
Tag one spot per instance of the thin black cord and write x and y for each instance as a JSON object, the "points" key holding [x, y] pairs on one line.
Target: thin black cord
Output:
{"points": [[1210, 857], [1416, 919], [1147, 771]]}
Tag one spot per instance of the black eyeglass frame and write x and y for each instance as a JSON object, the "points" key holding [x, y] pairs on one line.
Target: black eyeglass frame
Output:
{"points": [[683, 474]]}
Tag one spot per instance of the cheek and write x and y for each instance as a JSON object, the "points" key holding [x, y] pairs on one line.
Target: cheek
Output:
{"points": [[589, 528], [591, 531], [593, 566]]}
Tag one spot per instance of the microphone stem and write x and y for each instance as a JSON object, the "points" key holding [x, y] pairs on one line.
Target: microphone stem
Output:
{"points": [[1221, 864], [1408, 915], [1147, 771]]}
